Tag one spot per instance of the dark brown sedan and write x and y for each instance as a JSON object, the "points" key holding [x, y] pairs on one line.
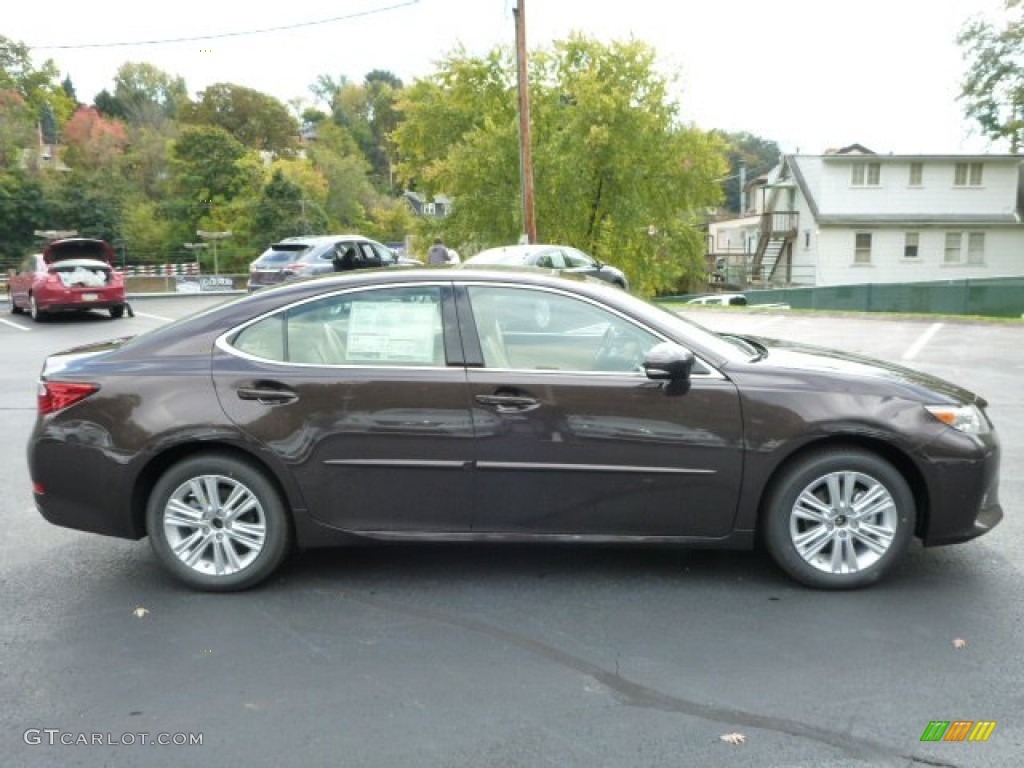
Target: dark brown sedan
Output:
{"points": [[428, 406]]}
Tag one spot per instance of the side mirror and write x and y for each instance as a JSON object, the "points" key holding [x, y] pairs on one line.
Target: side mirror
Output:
{"points": [[668, 361]]}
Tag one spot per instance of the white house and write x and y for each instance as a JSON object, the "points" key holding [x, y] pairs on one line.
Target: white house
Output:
{"points": [[853, 216]]}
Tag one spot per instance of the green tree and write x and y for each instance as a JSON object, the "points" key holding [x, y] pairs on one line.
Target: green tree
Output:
{"points": [[24, 208], [755, 154], [148, 235], [69, 88], [38, 86], [284, 210], [147, 159], [338, 160], [89, 201], [19, 128], [47, 124], [143, 95], [209, 168], [616, 172], [368, 112], [992, 90], [390, 221], [255, 119]]}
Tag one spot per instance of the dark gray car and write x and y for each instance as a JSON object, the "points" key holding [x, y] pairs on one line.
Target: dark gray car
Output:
{"points": [[404, 405]]}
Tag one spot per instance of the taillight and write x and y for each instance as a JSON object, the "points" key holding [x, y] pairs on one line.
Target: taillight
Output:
{"points": [[296, 267], [53, 396]]}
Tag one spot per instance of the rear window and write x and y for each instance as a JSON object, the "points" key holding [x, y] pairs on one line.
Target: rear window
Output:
{"points": [[283, 253]]}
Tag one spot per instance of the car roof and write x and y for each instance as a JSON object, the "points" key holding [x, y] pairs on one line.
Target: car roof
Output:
{"points": [[318, 239], [525, 249]]}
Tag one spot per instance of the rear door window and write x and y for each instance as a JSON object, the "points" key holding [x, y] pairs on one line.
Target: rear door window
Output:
{"points": [[386, 327]]}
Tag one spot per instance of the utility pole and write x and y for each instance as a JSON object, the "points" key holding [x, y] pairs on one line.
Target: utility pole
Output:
{"points": [[525, 152]]}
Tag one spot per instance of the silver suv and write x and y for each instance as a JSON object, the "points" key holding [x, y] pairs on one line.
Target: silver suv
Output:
{"points": [[296, 257]]}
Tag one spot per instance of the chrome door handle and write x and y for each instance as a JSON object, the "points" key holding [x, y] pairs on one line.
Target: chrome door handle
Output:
{"points": [[509, 403], [267, 396]]}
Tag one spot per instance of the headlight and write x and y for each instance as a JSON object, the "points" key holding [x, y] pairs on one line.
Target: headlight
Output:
{"points": [[965, 418]]}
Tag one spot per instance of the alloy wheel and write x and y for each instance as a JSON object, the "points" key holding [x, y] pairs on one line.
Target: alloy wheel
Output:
{"points": [[215, 525], [843, 522]]}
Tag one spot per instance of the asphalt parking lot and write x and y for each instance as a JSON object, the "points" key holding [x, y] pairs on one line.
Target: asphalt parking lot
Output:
{"points": [[513, 656]]}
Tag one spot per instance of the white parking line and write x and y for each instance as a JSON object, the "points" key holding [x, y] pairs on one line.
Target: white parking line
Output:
{"points": [[14, 325], [923, 339], [153, 317]]}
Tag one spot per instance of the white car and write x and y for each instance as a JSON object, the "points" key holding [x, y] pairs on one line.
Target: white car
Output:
{"points": [[721, 299]]}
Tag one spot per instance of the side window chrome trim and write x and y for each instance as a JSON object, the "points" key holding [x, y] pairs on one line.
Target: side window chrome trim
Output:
{"points": [[224, 346]]}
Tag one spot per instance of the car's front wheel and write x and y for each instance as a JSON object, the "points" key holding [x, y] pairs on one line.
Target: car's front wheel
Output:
{"points": [[839, 518], [218, 523]]}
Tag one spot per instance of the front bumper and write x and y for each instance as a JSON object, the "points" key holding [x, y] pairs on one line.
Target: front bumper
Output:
{"points": [[963, 491]]}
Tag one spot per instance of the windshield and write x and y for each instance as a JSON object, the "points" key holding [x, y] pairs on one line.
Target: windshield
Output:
{"points": [[725, 347]]}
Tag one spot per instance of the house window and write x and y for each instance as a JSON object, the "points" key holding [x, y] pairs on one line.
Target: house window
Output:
{"points": [[910, 241], [807, 239], [976, 248], [862, 249], [865, 174], [916, 172], [428, 209], [967, 175], [952, 254]]}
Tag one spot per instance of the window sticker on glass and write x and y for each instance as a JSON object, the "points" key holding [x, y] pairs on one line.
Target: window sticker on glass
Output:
{"points": [[391, 332]]}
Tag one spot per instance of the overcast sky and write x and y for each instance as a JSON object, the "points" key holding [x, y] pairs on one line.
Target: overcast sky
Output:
{"points": [[809, 74]]}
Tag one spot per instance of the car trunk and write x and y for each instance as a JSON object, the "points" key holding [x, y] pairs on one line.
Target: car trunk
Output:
{"points": [[84, 274], [78, 249]]}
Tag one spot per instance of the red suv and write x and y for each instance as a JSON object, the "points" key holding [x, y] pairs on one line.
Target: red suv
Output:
{"points": [[70, 275]]}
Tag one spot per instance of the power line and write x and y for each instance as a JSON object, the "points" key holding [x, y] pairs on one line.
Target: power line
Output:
{"points": [[222, 35]]}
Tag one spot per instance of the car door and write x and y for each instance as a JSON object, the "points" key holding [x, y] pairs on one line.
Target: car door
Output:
{"points": [[574, 439], [579, 263], [21, 281], [354, 394]]}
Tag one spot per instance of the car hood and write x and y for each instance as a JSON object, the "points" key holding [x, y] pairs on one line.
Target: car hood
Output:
{"points": [[79, 248], [790, 356]]}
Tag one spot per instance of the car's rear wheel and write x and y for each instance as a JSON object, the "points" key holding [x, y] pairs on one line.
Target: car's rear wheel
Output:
{"points": [[839, 519], [33, 309], [218, 523], [117, 312], [15, 309]]}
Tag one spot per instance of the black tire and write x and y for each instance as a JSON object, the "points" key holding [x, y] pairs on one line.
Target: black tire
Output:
{"points": [[829, 545], [117, 312], [15, 309], [259, 537]]}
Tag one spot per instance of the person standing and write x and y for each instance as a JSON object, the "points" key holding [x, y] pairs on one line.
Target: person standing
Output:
{"points": [[437, 254]]}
